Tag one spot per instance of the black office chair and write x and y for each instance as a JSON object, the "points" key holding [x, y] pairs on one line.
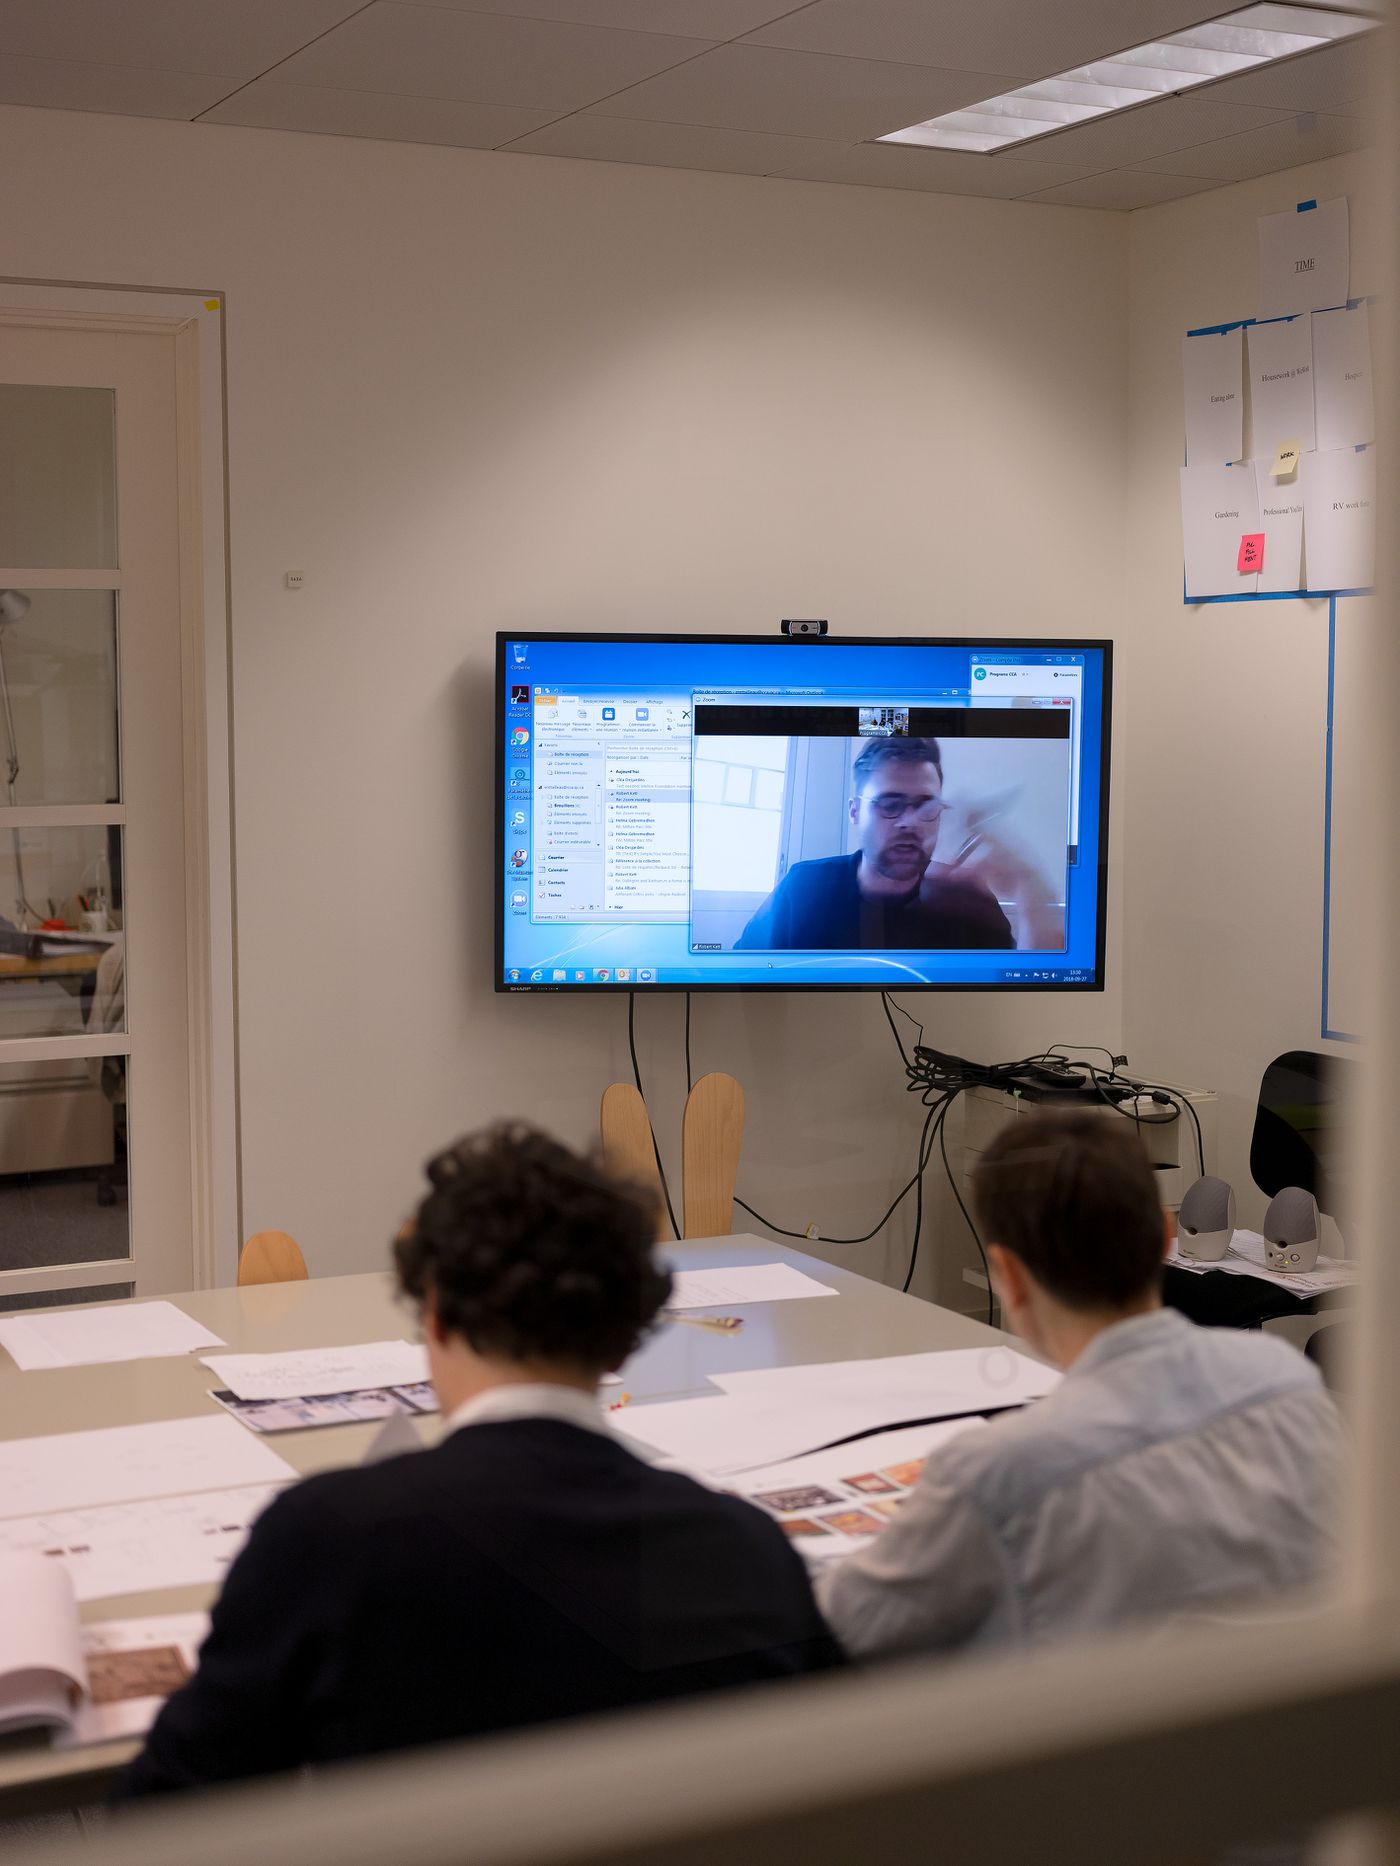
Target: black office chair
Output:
{"points": [[1296, 1142]]}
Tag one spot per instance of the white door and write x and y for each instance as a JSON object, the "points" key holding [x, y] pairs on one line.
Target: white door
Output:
{"points": [[96, 1192]]}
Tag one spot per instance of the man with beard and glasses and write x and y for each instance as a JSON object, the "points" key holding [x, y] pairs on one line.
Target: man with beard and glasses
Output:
{"points": [[890, 894]]}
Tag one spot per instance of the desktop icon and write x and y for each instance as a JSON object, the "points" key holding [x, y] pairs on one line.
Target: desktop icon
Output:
{"points": [[520, 735], [646, 974], [601, 975], [514, 975], [519, 776], [518, 900], [559, 974], [610, 712], [520, 696], [518, 648], [519, 857], [580, 975], [623, 975], [537, 978], [517, 820]]}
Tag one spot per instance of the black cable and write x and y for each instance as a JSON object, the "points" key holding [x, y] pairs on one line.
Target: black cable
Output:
{"points": [[967, 1216], [637, 1078], [894, 1032], [689, 1081], [936, 1114]]}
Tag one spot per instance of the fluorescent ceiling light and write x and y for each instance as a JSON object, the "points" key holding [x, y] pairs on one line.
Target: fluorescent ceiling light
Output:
{"points": [[1260, 35]]}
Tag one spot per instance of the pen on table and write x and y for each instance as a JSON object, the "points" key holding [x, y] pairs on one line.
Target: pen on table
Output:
{"points": [[726, 1324]]}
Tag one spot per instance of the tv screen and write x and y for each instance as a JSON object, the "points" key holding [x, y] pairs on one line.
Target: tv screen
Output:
{"points": [[723, 812]]}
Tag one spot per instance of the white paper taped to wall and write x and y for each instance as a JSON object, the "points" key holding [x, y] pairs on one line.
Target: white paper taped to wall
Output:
{"points": [[1280, 387], [1304, 259], [1339, 518], [1219, 506], [1213, 374], [1346, 409]]}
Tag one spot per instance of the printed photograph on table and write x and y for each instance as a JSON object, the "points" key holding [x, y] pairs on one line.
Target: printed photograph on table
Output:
{"points": [[853, 1522], [869, 1481], [810, 1497], [905, 1475], [799, 1526]]}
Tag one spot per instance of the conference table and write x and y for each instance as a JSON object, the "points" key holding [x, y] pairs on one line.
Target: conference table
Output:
{"points": [[864, 1320]]}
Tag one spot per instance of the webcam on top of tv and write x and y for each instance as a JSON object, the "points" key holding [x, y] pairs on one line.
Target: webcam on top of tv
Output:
{"points": [[796, 630]]}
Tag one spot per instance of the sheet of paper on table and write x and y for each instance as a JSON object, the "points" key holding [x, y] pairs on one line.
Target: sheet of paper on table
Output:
{"points": [[744, 1282], [310, 1373], [126, 1331], [949, 1381], [133, 1666], [138, 1548], [123, 1463], [831, 1503], [776, 1413], [1246, 1257]]}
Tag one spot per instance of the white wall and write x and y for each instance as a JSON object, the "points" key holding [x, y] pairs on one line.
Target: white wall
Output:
{"points": [[1222, 963], [469, 392]]}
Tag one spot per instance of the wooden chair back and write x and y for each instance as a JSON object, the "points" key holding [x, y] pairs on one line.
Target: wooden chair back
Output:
{"points": [[271, 1257], [628, 1150], [711, 1136]]}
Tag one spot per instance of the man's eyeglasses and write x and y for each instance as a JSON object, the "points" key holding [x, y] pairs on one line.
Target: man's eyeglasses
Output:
{"points": [[892, 804]]}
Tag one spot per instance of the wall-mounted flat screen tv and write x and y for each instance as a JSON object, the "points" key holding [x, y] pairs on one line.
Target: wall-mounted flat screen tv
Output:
{"points": [[729, 813]]}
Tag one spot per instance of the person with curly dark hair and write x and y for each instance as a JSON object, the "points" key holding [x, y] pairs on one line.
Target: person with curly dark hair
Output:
{"points": [[526, 1569]]}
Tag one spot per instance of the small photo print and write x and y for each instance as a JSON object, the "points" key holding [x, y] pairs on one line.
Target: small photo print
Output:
{"points": [[853, 1522], [804, 1497], [869, 1482], [147, 1672], [887, 1506], [904, 1475], [419, 1396], [796, 1526]]}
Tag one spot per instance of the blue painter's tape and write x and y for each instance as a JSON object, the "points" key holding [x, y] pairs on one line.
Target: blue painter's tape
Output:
{"points": [[1304, 206]]}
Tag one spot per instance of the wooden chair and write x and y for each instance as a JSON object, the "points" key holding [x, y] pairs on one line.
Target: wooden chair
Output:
{"points": [[628, 1150], [712, 1133], [271, 1257]]}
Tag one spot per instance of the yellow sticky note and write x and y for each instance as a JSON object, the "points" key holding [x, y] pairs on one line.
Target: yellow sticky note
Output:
{"points": [[1286, 459], [211, 304]]}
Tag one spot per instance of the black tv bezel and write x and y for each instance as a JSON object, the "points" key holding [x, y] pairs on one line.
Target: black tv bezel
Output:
{"points": [[805, 645]]}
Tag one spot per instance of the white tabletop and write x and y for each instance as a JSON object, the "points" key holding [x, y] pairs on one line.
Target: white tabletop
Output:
{"points": [[864, 1321]]}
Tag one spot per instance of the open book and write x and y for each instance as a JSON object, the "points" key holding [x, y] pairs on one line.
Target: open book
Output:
{"points": [[86, 1684]]}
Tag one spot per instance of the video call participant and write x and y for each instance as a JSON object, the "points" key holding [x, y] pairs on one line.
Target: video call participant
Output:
{"points": [[890, 894], [527, 1568], [1173, 1470]]}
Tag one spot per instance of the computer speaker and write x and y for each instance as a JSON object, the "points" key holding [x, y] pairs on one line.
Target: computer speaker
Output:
{"points": [[1292, 1231], [1206, 1221]]}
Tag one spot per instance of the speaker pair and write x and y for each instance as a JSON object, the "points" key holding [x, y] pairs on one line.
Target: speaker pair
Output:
{"points": [[1292, 1229]]}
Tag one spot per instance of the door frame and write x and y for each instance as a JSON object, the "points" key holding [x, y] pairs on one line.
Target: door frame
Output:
{"points": [[194, 322]]}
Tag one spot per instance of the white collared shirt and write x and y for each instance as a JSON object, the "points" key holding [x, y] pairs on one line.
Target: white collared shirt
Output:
{"points": [[530, 1400]]}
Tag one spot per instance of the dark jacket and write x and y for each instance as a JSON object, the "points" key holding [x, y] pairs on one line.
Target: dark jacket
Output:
{"points": [[519, 1572], [819, 906]]}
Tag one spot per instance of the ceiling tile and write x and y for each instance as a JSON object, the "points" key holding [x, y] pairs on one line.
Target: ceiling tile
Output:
{"points": [[669, 145], [532, 64], [233, 38], [1123, 188], [117, 90], [271, 105], [931, 171], [1264, 151], [1028, 38], [1134, 136], [751, 87], [693, 19], [1317, 81]]}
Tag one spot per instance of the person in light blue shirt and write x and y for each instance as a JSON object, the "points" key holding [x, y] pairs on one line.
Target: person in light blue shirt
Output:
{"points": [[1174, 1471]]}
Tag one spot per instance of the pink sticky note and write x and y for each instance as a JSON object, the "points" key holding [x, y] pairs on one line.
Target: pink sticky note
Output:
{"points": [[1251, 556]]}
